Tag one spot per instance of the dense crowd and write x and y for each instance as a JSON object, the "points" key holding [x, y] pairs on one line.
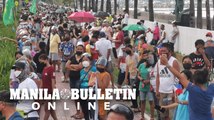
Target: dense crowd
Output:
{"points": [[88, 53]]}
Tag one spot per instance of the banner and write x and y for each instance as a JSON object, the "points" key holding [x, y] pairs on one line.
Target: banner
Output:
{"points": [[33, 7], [8, 17]]}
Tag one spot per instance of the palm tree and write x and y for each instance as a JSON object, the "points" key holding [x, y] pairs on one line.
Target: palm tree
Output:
{"points": [[192, 14], [96, 5], [199, 14], [108, 6], [81, 4], [127, 6], [89, 5], [92, 5], [86, 5], [208, 15], [135, 8], [151, 11], [213, 18], [115, 7], [101, 6]]}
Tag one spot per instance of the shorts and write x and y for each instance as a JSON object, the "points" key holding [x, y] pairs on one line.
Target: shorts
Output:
{"points": [[147, 94], [163, 101], [54, 56], [110, 67], [63, 67]]}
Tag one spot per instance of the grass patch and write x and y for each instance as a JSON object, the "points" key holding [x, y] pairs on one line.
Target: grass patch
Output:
{"points": [[7, 59]]}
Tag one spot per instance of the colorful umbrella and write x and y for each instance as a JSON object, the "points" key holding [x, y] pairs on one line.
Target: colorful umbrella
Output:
{"points": [[134, 27], [82, 17]]}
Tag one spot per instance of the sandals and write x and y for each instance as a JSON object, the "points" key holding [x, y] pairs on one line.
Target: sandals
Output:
{"points": [[136, 109]]}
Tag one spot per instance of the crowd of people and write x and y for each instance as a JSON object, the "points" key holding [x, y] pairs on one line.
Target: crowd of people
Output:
{"points": [[49, 42]]}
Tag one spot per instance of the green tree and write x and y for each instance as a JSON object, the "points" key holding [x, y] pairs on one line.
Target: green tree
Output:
{"points": [[199, 14], [108, 6], [101, 6], [81, 4], [192, 14], [115, 7], [96, 5], [135, 8], [86, 5], [151, 11], [127, 5]]}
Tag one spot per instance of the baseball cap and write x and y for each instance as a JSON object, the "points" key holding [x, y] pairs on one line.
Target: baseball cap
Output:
{"points": [[209, 34]]}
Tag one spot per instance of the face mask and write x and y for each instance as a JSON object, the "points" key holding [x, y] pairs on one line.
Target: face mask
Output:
{"points": [[151, 60], [101, 70], [85, 64], [17, 73], [33, 39], [209, 38], [187, 66], [26, 47], [78, 53], [128, 52]]}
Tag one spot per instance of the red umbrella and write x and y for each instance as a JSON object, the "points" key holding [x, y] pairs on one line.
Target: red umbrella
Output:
{"points": [[82, 17]]}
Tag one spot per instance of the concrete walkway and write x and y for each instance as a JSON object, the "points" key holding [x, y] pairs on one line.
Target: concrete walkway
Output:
{"points": [[66, 114]]}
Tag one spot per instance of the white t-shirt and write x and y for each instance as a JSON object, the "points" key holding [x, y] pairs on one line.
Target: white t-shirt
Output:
{"points": [[162, 36], [103, 45], [26, 105], [122, 63], [174, 31], [126, 18], [167, 79]]}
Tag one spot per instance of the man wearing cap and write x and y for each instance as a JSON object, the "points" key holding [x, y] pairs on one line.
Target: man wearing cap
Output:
{"points": [[54, 47], [209, 42], [8, 107]]}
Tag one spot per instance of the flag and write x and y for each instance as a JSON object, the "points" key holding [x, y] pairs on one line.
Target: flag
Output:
{"points": [[33, 7], [8, 17]]}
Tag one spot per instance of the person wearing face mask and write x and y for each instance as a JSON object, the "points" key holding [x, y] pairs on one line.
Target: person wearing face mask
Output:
{"points": [[165, 80], [132, 60], [144, 70], [74, 66], [25, 106], [33, 41], [48, 82], [181, 100], [103, 82], [88, 68], [209, 42]]}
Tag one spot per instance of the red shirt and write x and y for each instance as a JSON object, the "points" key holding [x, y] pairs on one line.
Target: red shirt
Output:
{"points": [[120, 36], [47, 76]]}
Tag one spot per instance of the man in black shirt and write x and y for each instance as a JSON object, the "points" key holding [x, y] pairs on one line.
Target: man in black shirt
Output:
{"points": [[199, 58], [40, 66]]}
